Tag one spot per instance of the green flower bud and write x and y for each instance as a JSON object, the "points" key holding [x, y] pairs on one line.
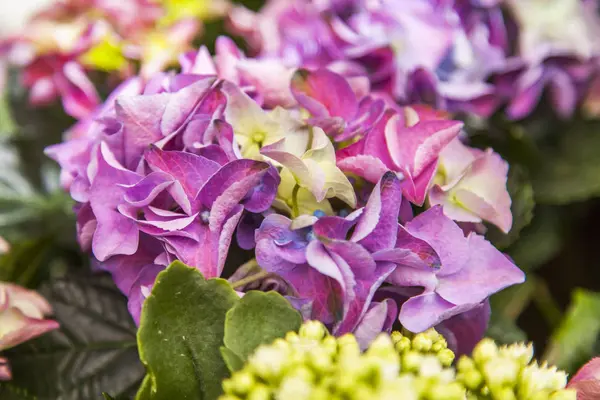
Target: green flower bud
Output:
{"points": [[268, 362], [471, 378], [565, 394], [295, 387], [313, 330], [519, 352], [421, 342], [241, 383], [451, 391], [446, 357], [484, 351], [501, 372], [260, 392]]}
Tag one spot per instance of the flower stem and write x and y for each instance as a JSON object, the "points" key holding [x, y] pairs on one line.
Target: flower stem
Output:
{"points": [[295, 208], [249, 279]]}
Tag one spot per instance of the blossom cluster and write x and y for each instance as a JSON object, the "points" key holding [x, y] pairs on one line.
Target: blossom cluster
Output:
{"points": [[66, 45], [314, 365], [469, 56], [321, 186]]}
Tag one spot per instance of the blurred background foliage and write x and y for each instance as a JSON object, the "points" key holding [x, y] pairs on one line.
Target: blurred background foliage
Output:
{"points": [[554, 182]]}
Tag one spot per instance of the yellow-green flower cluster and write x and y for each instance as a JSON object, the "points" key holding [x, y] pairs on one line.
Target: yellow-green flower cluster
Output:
{"points": [[313, 365], [413, 346], [317, 366], [510, 373]]}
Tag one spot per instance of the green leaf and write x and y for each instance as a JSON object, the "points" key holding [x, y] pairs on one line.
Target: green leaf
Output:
{"points": [[505, 331], [523, 204], [570, 172], [181, 331], [573, 341], [94, 349], [7, 124], [541, 241], [145, 390], [232, 360], [259, 318]]}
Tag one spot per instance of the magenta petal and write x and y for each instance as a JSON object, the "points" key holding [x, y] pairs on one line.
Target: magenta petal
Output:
{"points": [[246, 230], [140, 290], [464, 331], [413, 277], [359, 260], [125, 269], [145, 191], [320, 259], [415, 147], [444, 236], [190, 170], [422, 312], [277, 246], [375, 142], [563, 93], [363, 293], [528, 94], [369, 167], [209, 250], [328, 228], [79, 95], [115, 233], [415, 188], [232, 184], [378, 224], [324, 93], [182, 103], [141, 118], [323, 293], [487, 271], [379, 318], [248, 171], [261, 197]]}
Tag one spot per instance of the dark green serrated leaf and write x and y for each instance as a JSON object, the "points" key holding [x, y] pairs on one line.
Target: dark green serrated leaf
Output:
{"points": [[259, 318], [93, 351], [232, 360], [181, 331], [570, 172], [573, 341]]}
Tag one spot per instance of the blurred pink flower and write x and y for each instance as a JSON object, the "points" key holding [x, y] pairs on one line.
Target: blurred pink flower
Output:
{"points": [[587, 381], [22, 313]]}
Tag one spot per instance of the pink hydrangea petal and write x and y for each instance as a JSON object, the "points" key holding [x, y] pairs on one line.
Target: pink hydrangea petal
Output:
{"points": [[324, 93], [422, 312], [378, 225], [472, 283], [17, 328], [379, 318]]}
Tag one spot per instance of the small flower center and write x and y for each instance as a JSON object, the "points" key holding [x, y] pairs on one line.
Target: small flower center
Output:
{"points": [[258, 137], [204, 216]]}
